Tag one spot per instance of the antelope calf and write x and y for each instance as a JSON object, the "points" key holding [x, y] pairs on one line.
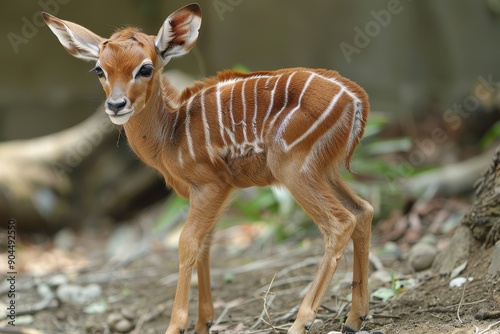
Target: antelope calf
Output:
{"points": [[290, 127]]}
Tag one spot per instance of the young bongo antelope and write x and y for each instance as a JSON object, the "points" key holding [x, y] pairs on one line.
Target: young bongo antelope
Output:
{"points": [[290, 127]]}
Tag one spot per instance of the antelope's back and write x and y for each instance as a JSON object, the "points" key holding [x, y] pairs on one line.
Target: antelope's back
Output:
{"points": [[316, 113]]}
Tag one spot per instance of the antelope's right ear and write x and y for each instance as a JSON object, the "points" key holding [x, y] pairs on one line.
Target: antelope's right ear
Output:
{"points": [[77, 40], [179, 32]]}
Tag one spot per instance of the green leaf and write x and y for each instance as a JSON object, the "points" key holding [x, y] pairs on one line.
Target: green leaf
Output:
{"points": [[384, 294], [241, 68], [389, 146], [490, 136], [175, 208]]}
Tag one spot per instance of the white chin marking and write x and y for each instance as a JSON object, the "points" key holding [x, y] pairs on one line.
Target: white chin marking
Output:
{"points": [[120, 119]]}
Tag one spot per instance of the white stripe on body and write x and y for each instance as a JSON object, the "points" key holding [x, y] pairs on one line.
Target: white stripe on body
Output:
{"points": [[286, 120], [270, 107], [317, 122], [341, 126], [358, 111], [206, 128]]}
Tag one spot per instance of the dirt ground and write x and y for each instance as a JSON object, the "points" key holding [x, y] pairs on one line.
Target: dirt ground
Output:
{"points": [[257, 286]]}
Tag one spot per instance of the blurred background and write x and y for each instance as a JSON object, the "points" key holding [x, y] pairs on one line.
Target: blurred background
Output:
{"points": [[83, 205], [430, 68]]}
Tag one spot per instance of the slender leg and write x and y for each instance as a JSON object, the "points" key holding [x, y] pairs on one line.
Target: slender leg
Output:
{"points": [[205, 303], [207, 203], [314, 194], [361, 240]]}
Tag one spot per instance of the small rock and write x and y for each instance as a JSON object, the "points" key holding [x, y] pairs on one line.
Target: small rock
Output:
{"points": [[457, 253], [24, 320], [78, 295], [421, 256], [128, 314], [56, 280], [113, 318], [380, 278], [65, 239], [494, 267], [123, 326], [97, 307], [317, 324], [458, 270], [121, 239], [459, 281], [44, 291], [228, 278], [93, 327]]}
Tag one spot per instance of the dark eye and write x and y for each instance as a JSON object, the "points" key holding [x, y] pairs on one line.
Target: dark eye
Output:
{"points": [[99, 71], [146, 70]]}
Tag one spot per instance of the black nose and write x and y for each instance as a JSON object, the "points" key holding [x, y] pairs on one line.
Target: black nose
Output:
{"points": [[116, 106]]}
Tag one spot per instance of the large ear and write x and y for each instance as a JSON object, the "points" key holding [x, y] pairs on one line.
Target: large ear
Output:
{"points": [[179, 32], [77, 40]]}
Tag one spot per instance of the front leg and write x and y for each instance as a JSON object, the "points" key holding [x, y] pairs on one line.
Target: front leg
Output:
{"points": [[207, 203], [205, 303]]}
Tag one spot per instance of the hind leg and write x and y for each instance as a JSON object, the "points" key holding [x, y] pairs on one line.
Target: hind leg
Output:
{"points": [[363, 212], [336, 223]]}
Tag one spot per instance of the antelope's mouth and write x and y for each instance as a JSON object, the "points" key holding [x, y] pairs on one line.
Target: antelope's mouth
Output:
{"points": [[120, 118]]}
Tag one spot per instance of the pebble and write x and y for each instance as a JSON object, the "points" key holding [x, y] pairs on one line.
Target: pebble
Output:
{"points": [[128, 314], [459, 281], [317, 324], [119, 323], [123, 326], [113, 318], [78, 295], [65, 239], [56, 280], [422, 256], [494, 267]]}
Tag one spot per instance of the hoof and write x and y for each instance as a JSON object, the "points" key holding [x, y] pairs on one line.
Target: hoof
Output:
{"points": [[208, 325], [348, 330]]}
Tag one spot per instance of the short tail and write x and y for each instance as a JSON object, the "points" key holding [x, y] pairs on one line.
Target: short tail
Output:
{"points": [[360, 115]]}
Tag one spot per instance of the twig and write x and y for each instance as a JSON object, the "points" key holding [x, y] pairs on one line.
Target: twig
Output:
{"points": [[460, 304], [288, 315], [487, 315], [385, 316], [487, 328], [267, 303], [230, 305], [310, 261], [46, 303], [105, 277], [139, 324], [291, 280], [5, 330], [443, 309], [377, 263]]}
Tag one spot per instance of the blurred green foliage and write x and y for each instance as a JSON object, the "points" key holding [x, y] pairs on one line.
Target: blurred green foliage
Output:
{"points": [[491, 136]]}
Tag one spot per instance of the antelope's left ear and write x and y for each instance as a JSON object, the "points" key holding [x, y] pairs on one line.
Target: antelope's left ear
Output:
{"points": [[179, 32], [77, 40]]}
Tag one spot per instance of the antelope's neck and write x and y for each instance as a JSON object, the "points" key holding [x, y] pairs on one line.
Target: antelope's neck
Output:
{"points": [[147, 127]]}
